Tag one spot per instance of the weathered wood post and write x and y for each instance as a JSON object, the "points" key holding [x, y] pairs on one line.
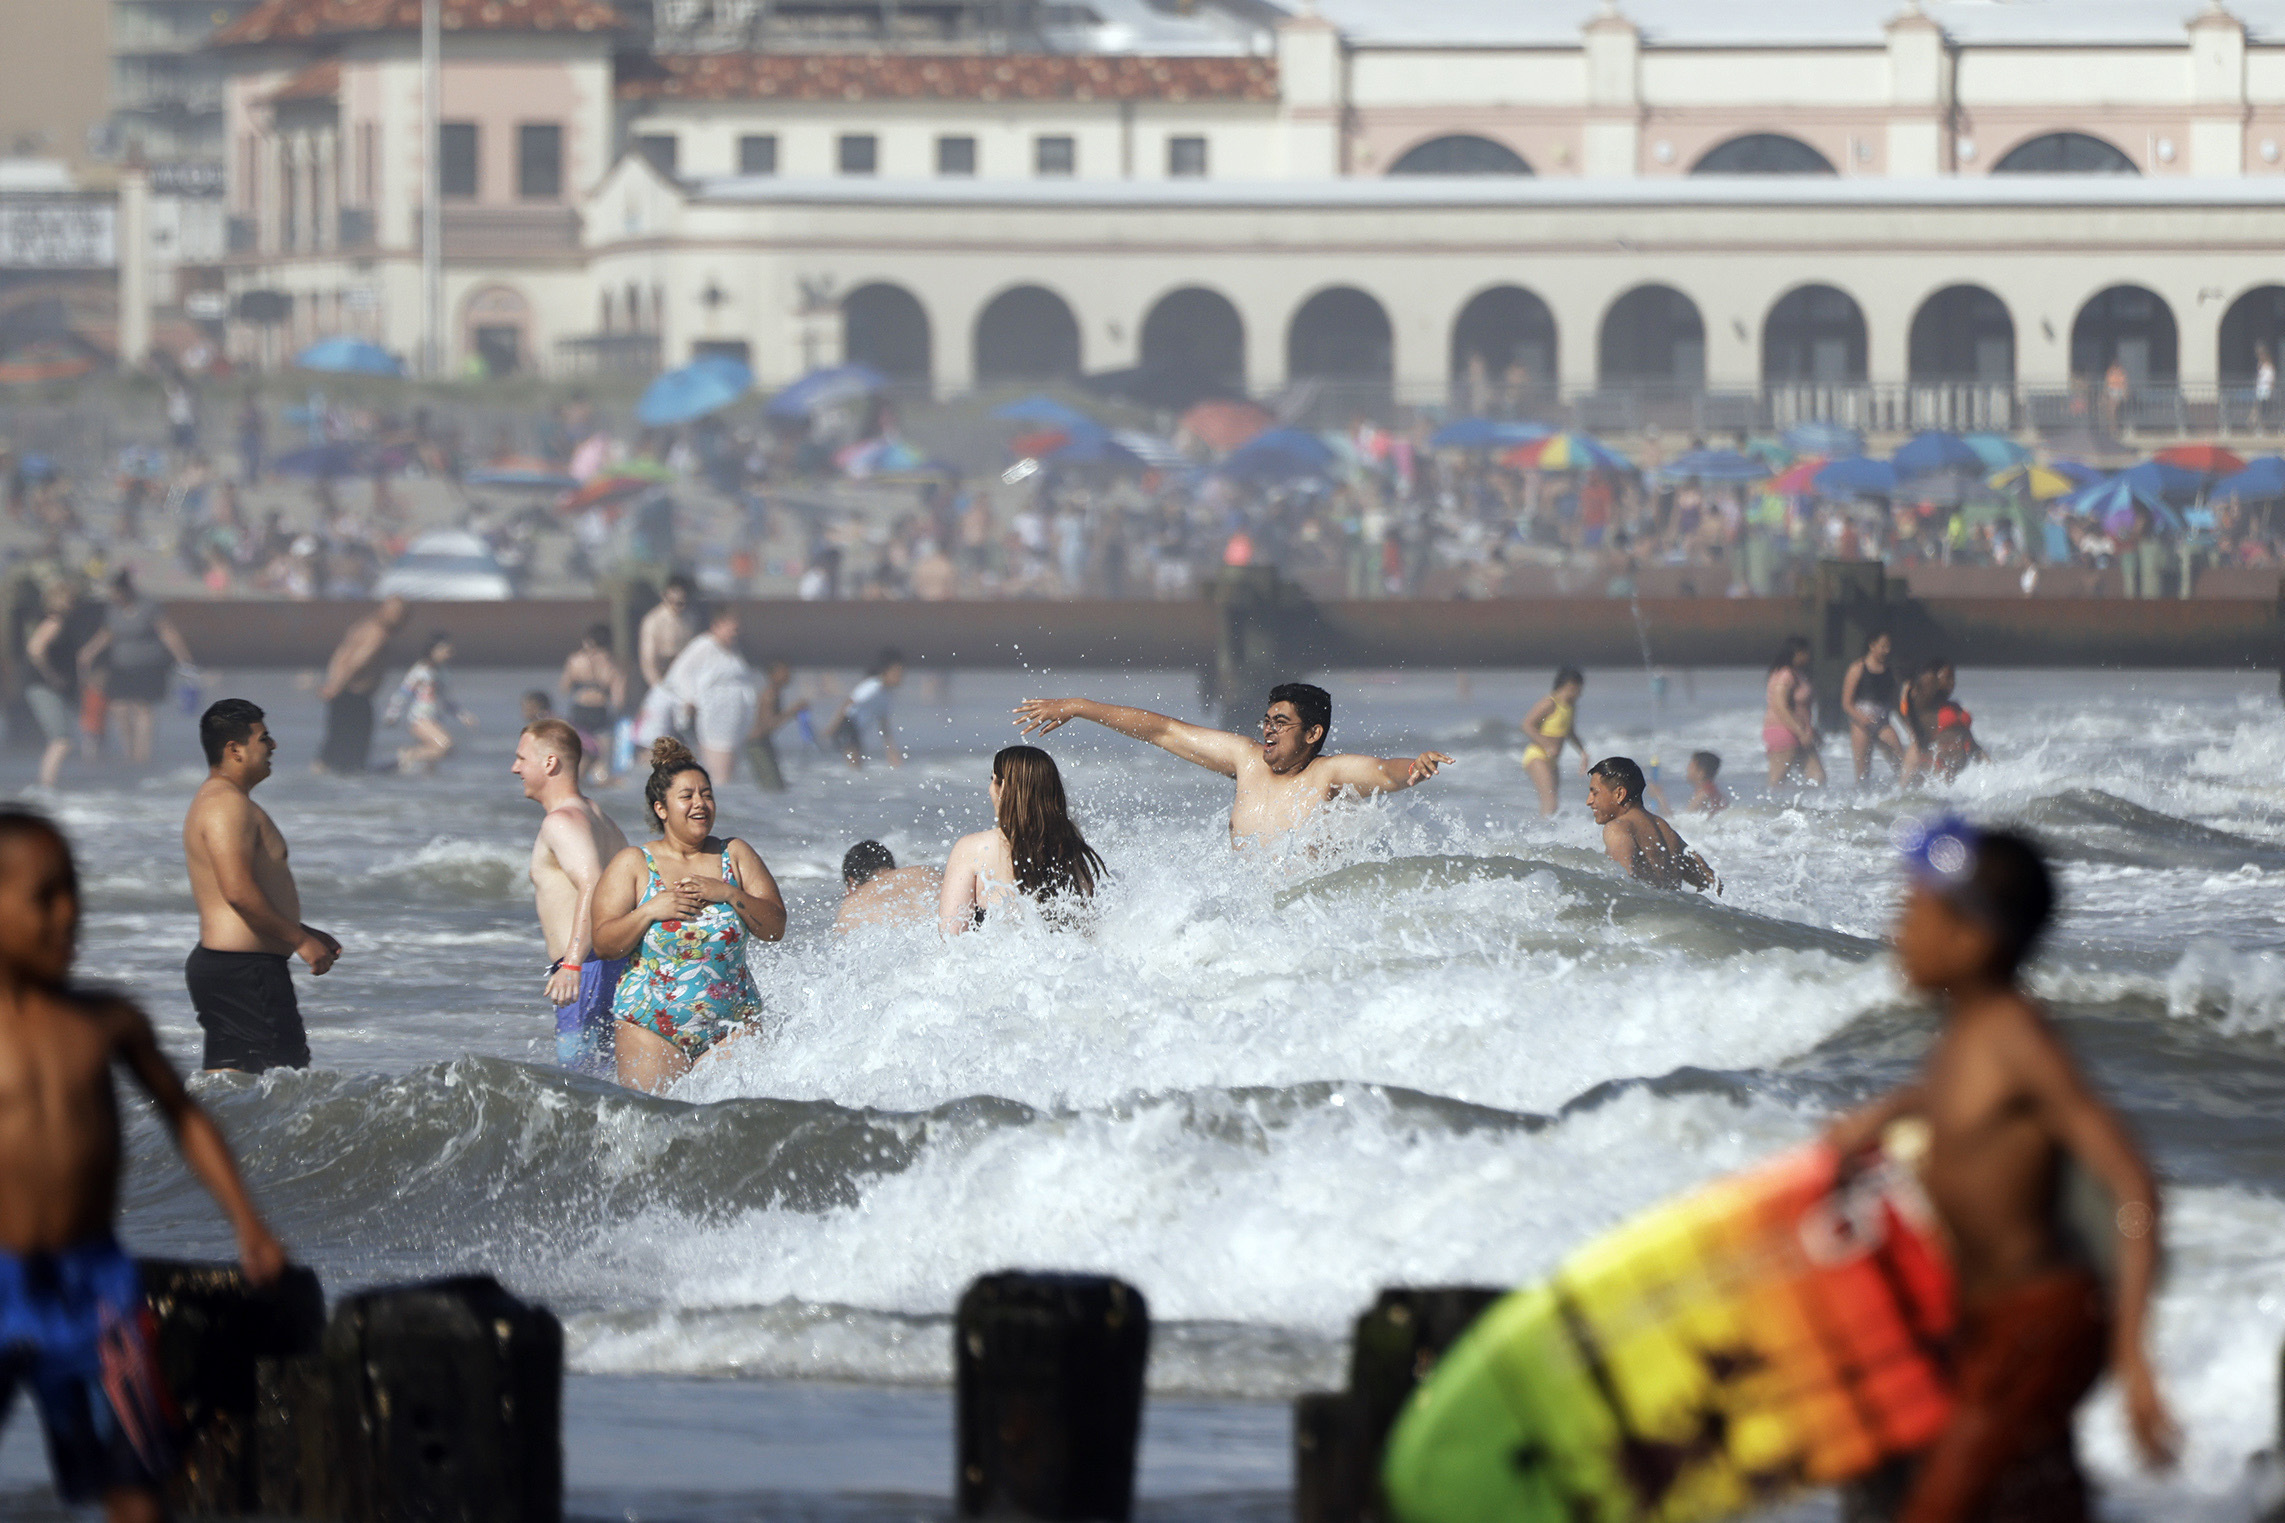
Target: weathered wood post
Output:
{"points": [[1050, 1381], [214, 1333]]}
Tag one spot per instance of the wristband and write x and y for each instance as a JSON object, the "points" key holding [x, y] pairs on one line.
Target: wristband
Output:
{"points": [[570, 967]]}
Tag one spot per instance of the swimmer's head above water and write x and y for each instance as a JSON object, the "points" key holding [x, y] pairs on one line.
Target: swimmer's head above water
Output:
{"points": [[1614, 785], [1979, 901], [863, 861], [1295, 724]]}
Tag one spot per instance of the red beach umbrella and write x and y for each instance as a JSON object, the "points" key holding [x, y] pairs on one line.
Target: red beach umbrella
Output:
{"points": [[2208, 459]]}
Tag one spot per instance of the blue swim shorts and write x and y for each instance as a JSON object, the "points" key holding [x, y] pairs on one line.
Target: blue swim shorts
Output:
{"points": [[75, 1327], [583, 1040]]}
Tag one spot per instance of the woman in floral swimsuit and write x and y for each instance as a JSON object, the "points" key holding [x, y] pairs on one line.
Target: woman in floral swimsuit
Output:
{"points": [[686, 907]]}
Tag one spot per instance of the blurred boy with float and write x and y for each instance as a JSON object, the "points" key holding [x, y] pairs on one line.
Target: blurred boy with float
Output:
{"points": [[2002, 1103]]}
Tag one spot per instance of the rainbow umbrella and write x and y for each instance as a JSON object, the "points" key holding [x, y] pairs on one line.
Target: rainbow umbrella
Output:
{"points": [[1568, 452], [2043, 482]]}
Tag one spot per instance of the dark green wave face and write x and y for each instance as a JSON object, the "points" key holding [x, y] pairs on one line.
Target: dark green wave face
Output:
{"points": [[1435, 1041]]}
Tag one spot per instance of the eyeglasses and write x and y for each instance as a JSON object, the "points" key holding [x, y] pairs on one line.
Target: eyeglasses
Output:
{"points": [[1278, 724]]}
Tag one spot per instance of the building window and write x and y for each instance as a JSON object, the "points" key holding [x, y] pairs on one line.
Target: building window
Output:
{"points": [[664, 150], [860, 153], [758, 154], [456, 153], [1186, 158], [955, 155], [1055, 155], [539, 161]]}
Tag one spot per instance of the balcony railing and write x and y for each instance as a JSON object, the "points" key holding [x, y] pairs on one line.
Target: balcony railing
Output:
{"points": [[630, 354]]}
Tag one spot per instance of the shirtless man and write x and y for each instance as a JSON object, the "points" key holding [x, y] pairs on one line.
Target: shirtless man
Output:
{"points": [[665, 630], [1651, 850], [352, 677], [72, 1317], [576, 838], [2002, 1103], [1282, 780], [875, 891], [249, 912]]}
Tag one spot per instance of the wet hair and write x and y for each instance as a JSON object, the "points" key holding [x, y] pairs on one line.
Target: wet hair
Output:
{"points": [[1708, 763], [537, 698], [2010, 893], [670, 758], [1876, 634], [889, 656], [1565, 675], [678, 583], [558, 736], [865, 859], [18, 822], [227, 722], [600, 634], [1791, 651], [1312, 703], [1621, 773], [1049, 854]]}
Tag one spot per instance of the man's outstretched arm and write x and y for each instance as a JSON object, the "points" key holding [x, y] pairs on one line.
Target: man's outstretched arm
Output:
{"points": [[1374, 774], [1215, 750]]}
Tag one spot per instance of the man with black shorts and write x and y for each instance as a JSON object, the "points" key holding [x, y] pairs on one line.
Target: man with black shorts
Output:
{"points": [[249, 912]]}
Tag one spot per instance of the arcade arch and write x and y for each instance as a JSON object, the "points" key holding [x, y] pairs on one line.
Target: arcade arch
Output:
{"points": [[2133, 326], [1462, 153], [1962, 334], [1814, 334], [885, 326], [1652, 337], [1763, 153], [1026, 333], [1197, 336]]}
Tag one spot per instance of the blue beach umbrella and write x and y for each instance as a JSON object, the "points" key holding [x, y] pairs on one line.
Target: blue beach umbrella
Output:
{"points": [[2262, 480], [1485, 433], [1279, 455], [1833, 441], [829, 387], [1715, 465], [2113, 503], [1856, 476], [2164, 480], [349, 356], [1996, 451], [703, 386], [1933, 450]]}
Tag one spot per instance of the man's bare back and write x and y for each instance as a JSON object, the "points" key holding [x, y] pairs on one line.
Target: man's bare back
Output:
{"points": [[357, 662], [895, 896], [1282, 781], [582, 833]]}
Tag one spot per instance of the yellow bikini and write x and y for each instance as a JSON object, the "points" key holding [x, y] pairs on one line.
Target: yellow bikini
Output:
{"points": [[1553, 731]]}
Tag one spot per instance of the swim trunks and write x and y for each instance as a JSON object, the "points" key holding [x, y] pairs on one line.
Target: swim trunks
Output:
{"points": [[2022, 1361], [245, 1003], [583, 1038], [689, 983], [75, 1327]]}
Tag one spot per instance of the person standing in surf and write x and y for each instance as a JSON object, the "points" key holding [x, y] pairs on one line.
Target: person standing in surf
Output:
{"points": [[352, 677], [1553, 724], [249, 911], [595, 686], [74, 1326], [1033, 851], [1868, 697], [576, 838], [1650, 850], [1283, 780], [2003, 1103], [1788, 724], [423, 702], [684, 908]]}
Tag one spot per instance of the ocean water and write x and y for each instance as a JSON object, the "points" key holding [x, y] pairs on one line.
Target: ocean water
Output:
{"points": [[1442, 1043]]}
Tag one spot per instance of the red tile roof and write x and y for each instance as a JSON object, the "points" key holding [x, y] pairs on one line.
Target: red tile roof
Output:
{"points": [[305, 20], [994, 77], [320, 81]]}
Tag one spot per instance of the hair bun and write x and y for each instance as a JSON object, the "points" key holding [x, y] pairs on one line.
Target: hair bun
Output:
{"points": [[668, 753]]}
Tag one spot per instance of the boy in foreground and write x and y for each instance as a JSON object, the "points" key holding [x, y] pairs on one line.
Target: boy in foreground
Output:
{"points": [[73, 1324], [2002, 1101], [1651, 850]]}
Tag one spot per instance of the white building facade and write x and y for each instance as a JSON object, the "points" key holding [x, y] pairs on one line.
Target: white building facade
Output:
{"points": [[1950, 212]]}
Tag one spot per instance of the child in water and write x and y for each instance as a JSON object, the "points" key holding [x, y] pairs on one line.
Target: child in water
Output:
{"points": [[2002, 1102], [1706, 795], [1552, 724]]}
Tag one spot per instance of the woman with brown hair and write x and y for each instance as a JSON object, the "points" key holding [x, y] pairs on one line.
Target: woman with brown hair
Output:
{"points": [[685, 907], [1033, 852]]}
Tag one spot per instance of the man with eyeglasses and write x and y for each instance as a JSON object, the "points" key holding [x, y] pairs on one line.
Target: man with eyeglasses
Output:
{"points": [[1282, 780]]}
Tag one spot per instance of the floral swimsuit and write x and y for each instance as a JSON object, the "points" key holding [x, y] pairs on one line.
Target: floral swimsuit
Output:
{"points": [[689, 983]]}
